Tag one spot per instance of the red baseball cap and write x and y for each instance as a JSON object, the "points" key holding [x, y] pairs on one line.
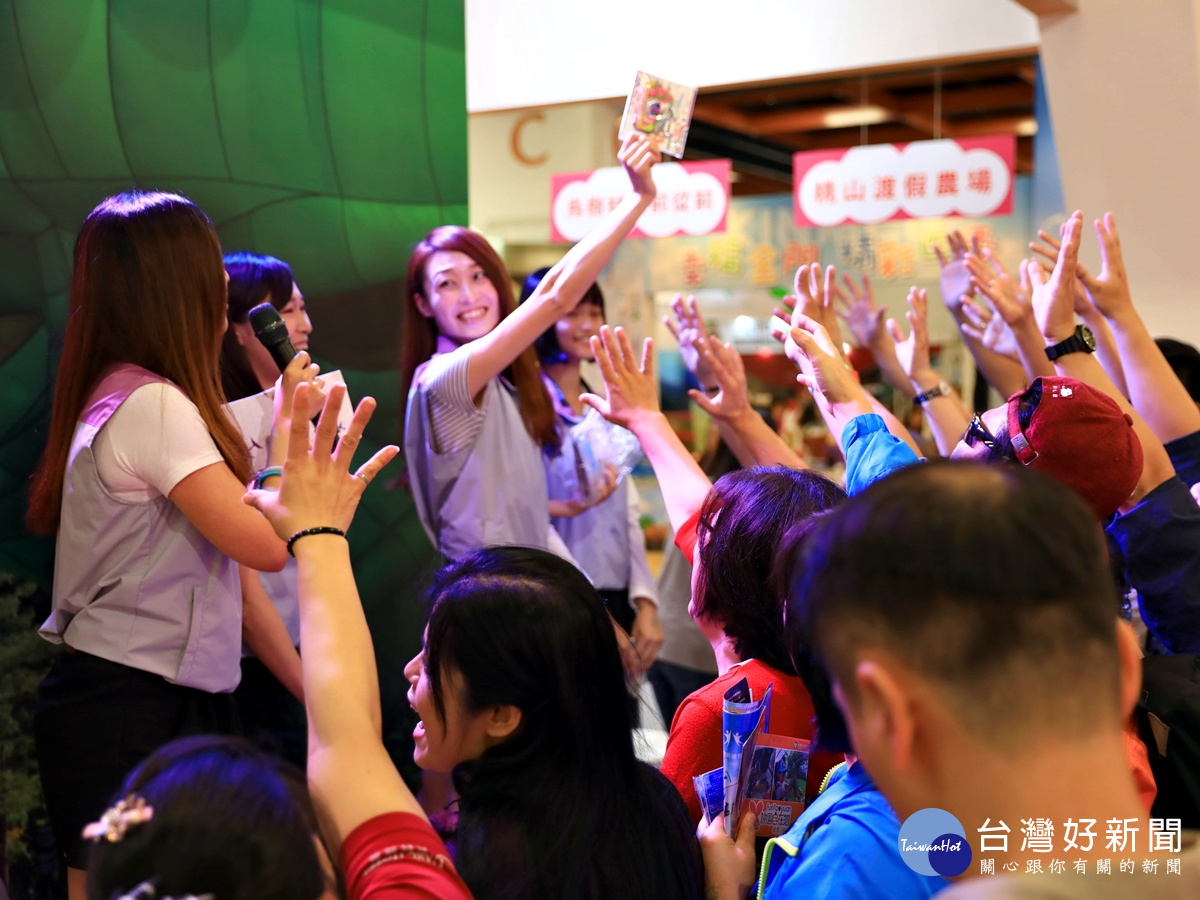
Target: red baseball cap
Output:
{"points": [[1079, 435]]}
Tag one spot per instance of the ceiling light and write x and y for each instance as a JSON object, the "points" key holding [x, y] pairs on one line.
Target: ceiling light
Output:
{"points": [[856, 115]]}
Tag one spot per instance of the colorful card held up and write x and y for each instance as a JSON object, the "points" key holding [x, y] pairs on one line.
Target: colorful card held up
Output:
{"points": [[661, 109]]}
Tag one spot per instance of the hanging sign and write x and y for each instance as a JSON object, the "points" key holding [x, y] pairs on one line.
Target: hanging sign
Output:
{"points": [[693, 199], [970, 177]]}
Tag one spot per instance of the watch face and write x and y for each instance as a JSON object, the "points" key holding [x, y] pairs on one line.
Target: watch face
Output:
{"points": [[1088, 337]]}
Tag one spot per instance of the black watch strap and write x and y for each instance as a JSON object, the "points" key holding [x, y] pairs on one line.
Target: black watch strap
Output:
{"points": [[1082, 341], [942, 389]]}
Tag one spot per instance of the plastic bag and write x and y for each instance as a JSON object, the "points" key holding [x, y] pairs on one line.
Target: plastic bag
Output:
{"points": [[593, 450]]}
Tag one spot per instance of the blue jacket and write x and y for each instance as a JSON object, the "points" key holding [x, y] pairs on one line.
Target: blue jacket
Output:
{"points": [[845, 846]]}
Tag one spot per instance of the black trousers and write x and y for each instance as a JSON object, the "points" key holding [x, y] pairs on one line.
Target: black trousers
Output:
{"points": [[95, 721]]}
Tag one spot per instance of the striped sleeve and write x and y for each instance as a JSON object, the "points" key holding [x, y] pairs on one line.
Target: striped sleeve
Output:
{"points": [[455, 421]]}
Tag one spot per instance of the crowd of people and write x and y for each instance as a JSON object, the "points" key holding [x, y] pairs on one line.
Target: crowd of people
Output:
{"points": [[950, 634]]}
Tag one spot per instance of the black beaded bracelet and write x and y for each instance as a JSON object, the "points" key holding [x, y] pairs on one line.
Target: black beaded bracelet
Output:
{"points": [[320, 529]]}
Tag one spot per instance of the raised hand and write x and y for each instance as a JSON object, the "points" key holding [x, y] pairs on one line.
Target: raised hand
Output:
{"points": [[629, 386], [816, 292], [865, 321], [913, 351], [822, 367], [1048, 253], [688, 329], [1008, 297], [1109, 290], [318, 488], [1053, 298], [980, 323], [637, 155], [956, 277], [727, 370]]}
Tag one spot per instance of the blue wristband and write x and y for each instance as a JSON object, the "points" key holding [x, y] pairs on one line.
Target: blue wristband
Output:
{"points": [[265, 474]]}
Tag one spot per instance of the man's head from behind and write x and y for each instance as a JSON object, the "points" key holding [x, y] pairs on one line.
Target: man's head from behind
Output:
{"points": [[959, 604]]}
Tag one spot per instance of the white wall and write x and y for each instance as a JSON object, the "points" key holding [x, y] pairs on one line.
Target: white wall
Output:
{"points": [[1124, 88], [523, 53], [513, 154]]}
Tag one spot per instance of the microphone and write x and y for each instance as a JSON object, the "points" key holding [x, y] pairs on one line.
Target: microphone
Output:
{"points": [[272, 333]]}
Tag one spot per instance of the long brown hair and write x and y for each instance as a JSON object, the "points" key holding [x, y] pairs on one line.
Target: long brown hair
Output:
{"points": [[148, 289], [420, 333]]}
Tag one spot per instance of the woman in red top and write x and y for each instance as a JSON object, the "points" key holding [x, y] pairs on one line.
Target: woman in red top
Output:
{"points": [[738, 608], [731, 532], [370, 819]]}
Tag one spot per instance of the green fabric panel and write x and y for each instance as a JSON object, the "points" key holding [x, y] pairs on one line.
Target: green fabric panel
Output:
{"points": [[24, 414], [277, 132], [21, 285], [445, 82], [381, 235], [18, 213], [162, 86], [331, 134], [379, 139], [68, 201], [225, 201], [25, 144], [66, 44]]}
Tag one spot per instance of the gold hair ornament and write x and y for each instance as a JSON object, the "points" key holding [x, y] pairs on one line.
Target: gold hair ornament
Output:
{"points": [[133, 810]]}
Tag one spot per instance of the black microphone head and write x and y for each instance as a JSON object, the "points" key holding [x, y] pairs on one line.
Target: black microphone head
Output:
{"points": [[272, 333], [268, 325]]}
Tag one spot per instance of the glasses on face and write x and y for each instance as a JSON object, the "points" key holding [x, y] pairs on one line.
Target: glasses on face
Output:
{"points": [[978, 432]]}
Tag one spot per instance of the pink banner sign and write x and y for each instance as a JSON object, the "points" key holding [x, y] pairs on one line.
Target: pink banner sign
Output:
{"points": [[693, 199], [970, 177]]}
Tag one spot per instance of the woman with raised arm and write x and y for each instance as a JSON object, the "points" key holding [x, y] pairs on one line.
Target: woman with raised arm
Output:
{"points": [[369, 816], [521, 694], [477, 414], [141, 480]]}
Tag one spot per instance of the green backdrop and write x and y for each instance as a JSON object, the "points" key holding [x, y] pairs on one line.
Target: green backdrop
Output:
{"points": [[329, 133]]}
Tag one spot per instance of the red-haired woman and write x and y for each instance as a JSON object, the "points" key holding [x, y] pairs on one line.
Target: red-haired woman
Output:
{"points": [[477, 412], [142, 481]]}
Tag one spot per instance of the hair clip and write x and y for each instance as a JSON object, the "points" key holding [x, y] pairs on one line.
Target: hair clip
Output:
{"points": [[133, 810]]}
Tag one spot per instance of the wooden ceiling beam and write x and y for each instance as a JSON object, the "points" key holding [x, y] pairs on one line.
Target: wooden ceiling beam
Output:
{"points": [[971, 99], [912, 115]]}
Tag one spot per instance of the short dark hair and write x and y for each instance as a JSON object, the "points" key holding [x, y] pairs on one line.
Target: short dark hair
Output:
{"points": [[253, 279], [742, 522], [1184, 361], [989, 581], [228, 820], [547, 346]]}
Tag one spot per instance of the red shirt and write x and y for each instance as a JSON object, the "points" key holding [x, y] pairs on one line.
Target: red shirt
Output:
{"points": [[399, 855], [694, 745]]}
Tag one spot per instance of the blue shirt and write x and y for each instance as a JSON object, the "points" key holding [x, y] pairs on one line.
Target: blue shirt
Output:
{"points": [[846, 844], [1160, 540], [872, 452]]}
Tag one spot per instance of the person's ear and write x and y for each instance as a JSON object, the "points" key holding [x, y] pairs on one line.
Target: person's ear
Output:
{"points": [[885, 718], [1130, 656], [502, 721], [423, 306], [243, 331]]}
